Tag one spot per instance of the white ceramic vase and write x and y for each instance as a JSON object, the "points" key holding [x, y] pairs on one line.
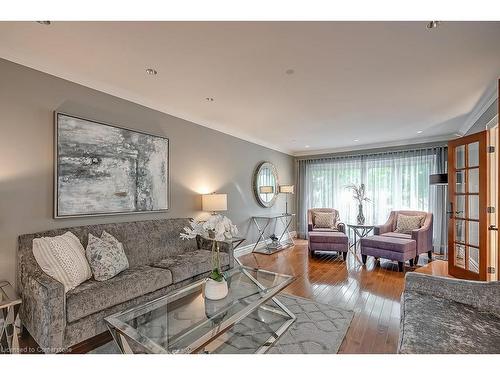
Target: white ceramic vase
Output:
{"points": [[215, 290]]}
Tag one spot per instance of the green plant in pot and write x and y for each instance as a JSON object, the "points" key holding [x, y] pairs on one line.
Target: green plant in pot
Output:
{"points": [[217, 229]]}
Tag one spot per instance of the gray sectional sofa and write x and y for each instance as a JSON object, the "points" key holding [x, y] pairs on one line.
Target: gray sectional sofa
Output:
{"points": [[449, 316], [159, 263]]}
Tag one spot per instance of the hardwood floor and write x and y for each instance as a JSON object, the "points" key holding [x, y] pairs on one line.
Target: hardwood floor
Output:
{"points": [[373, 291]]}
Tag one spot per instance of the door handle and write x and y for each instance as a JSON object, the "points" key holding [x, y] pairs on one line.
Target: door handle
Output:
{"points": [[492, 227]]}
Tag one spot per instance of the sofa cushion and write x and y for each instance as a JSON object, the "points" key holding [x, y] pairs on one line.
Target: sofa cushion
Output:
{"points": [[328, 237], [397, 235], [433, 325], [400, 245], [93, 296], [190, 264]]}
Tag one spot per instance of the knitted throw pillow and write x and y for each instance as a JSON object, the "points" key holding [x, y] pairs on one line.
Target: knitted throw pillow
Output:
{"points": [[406, 224], [62, 258]]}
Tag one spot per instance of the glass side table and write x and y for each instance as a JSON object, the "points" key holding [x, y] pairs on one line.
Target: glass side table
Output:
{"points": [[9, 318], [359, 231]]}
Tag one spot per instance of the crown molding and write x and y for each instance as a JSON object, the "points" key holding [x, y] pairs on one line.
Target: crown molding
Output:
{"points": [[405, 142], [481, 106]]}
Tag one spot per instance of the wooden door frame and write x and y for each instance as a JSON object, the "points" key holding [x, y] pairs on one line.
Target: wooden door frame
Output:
{"points": [[480, 137]]}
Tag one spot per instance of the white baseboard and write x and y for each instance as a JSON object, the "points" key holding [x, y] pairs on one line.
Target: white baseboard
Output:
{"points": [[242, 250]]}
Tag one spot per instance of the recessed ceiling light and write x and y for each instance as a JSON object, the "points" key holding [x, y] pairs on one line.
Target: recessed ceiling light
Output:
{"points": [[356, 140], [420, 132], [307, 146], [433, 24], [46, 23], [289, 71], [209, 99], [151, 71]]}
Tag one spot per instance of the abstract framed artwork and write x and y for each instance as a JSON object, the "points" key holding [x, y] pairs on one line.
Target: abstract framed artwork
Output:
{"points": [[103, 169]]}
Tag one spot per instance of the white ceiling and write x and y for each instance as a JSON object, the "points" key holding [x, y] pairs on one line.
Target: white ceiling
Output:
{"points": [[377, 82]]}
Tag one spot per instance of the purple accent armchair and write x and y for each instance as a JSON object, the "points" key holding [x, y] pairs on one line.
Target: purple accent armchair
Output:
{"points": [[422, 236], [327, 239], [310, 226]]}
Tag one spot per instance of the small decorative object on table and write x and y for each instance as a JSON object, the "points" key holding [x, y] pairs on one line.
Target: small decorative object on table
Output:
{"points": [[360, 197], [217, 228]]}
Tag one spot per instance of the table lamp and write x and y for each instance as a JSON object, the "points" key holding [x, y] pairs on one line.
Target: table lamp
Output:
{"points": [[214, 202]]}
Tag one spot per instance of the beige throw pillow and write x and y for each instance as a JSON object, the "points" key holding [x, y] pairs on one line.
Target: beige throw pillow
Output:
{"points": [[324, 220], [406, 224], [62, 258]]}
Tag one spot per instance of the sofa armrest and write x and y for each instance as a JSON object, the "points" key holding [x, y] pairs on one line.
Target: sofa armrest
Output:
{"points": [[341, 227], [484, 296], [43, 310]]}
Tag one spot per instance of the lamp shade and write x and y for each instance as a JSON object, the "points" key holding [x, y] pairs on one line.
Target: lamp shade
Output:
{"points": [[438, 179], [266, 189], [287, 189], [214, 202]]}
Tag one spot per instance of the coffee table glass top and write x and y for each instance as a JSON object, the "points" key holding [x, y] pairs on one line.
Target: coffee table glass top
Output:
{"points": [[185, 321]]}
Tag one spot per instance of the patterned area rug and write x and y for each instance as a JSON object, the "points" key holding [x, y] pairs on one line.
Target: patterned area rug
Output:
{"points": [[319, 329]]}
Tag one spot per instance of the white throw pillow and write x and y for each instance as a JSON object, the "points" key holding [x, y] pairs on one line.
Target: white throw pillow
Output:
{"points": [[62, 258]]}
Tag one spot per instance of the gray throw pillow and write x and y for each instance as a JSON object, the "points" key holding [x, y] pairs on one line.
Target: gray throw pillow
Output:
{"points": [[106, 256]]}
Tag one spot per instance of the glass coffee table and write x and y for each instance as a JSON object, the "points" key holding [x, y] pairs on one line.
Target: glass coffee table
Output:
{"points": [[249, 320]]}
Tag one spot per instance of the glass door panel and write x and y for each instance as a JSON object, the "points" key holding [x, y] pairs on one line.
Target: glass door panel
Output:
{"points": [[473, 180], [473, 260], [460, 157], [473, 154]]}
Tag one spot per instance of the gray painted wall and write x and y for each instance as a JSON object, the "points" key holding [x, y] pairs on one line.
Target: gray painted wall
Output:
{"points": [[201, 159]]}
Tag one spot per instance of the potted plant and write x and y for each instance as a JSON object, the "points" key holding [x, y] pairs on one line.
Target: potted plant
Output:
{"points": [[217, 228], [360, 197]]}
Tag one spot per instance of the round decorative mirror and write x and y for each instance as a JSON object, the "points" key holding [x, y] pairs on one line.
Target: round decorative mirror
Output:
{"points": [[265, 184]]}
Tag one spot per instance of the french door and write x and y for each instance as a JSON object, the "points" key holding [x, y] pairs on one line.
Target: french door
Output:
{"points": [[467, 192]]}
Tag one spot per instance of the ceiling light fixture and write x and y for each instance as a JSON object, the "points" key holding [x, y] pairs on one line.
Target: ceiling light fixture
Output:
{"points": [[307, 146], [420, 132], [151, 71], [209, 99], [433, 24], [45, 23], [289, 71], [356, 140]]}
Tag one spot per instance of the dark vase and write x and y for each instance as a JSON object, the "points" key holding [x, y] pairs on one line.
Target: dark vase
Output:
{"points": [[360, 217]]}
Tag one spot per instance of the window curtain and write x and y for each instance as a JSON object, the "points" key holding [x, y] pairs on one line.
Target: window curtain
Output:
{"points": [[394, 180]]}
